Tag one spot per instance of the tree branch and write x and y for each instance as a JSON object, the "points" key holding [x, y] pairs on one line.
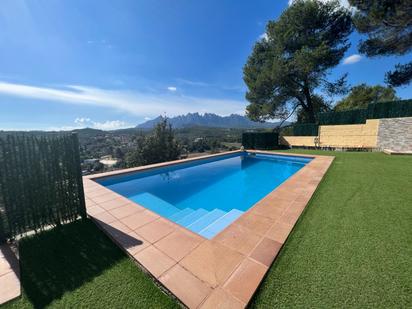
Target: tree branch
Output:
{"points": [[281, 123]]}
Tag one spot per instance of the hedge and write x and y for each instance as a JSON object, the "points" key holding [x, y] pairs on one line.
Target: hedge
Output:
{"points": [[260, 140], [40, 182]]}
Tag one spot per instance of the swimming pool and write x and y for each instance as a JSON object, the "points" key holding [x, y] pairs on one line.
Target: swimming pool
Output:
{"points": [[207, 195]]}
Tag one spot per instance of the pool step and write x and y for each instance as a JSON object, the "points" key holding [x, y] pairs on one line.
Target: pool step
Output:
{"points": [[219, 224], [206, 220], [201, 221], [155, 204], [192, 217], [181, 214]]}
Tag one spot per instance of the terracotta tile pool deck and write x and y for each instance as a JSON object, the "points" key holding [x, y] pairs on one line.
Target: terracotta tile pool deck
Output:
{"points": [[223, 272], [9, 275]]}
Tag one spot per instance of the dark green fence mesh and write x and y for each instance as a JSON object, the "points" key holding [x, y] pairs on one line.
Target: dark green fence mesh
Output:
{"points": [[354, 116], [260, 140], [394, 109], [40, 182], [305, 129]]}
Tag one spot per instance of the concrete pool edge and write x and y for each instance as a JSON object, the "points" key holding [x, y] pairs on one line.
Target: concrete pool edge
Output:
{"points": [[199, 272]]}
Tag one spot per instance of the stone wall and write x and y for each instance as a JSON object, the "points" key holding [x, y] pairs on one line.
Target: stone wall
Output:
{"points": [[395, 134]]}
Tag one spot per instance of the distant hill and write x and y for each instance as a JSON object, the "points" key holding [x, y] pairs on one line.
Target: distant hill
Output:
{"points": [[208, 120]]}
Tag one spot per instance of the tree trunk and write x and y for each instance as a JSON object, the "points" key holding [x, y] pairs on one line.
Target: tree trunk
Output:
{"points": [[309, 104]]}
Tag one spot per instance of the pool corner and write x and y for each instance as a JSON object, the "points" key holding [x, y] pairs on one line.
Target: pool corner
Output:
{"points": [[198, 271]]}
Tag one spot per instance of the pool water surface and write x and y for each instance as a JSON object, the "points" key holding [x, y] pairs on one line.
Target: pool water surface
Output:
{"points": [[207, 195]]}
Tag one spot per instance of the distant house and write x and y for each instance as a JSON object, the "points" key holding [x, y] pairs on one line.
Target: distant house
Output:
{"points": [[90, 161], [108, 160]]}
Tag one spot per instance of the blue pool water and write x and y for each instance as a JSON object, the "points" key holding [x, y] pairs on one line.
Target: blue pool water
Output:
{"points": [[207, 195]]}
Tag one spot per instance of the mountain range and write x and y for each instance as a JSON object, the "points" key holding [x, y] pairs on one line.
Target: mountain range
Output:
{"points": [[208, 120]]}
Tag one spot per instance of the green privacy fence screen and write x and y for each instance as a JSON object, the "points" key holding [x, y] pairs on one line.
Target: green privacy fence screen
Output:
{"points": [[260, 140], [393, 109], [354, 116], [40, 182], [305, 129]]}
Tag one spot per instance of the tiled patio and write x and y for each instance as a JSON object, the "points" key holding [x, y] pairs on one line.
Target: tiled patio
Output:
{"points": [[9, 275], [223, 272]]}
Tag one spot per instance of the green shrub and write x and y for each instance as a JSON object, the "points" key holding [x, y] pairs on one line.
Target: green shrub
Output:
{"points": [[286, 131]]}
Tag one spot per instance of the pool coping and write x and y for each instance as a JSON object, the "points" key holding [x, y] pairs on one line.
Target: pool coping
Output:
{"points": [[223, 271], [9, 275]]}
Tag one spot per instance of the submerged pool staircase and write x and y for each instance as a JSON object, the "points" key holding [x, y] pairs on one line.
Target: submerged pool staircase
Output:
{"points": [[204, 222]]}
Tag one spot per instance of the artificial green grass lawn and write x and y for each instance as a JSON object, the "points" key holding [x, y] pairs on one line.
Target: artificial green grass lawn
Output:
{"points": [[352, 247], [77, 266]]}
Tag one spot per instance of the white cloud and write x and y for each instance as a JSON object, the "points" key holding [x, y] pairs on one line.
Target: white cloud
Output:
{"points": [[237, 88], [264, 36], [147, 118], [101, 43], [82, 122], [126, 101], [171, 88], [194, 83], [110, 125], [344, 3], [352, 59]]}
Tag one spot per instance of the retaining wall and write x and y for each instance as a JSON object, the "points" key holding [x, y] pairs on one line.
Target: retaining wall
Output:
{"points": [[351, 135], [395, 134], [305, 141], [389, 133]]}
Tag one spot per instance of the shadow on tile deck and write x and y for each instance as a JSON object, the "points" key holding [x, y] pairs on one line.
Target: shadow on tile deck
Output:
{"points": [[9, 275]]}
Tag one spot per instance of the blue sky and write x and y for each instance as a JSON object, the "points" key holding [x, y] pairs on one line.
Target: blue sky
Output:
{"points": [[112, 64]]}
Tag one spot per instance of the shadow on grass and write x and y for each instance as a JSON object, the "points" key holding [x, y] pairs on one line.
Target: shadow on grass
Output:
{"points": [[63, 259]]}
